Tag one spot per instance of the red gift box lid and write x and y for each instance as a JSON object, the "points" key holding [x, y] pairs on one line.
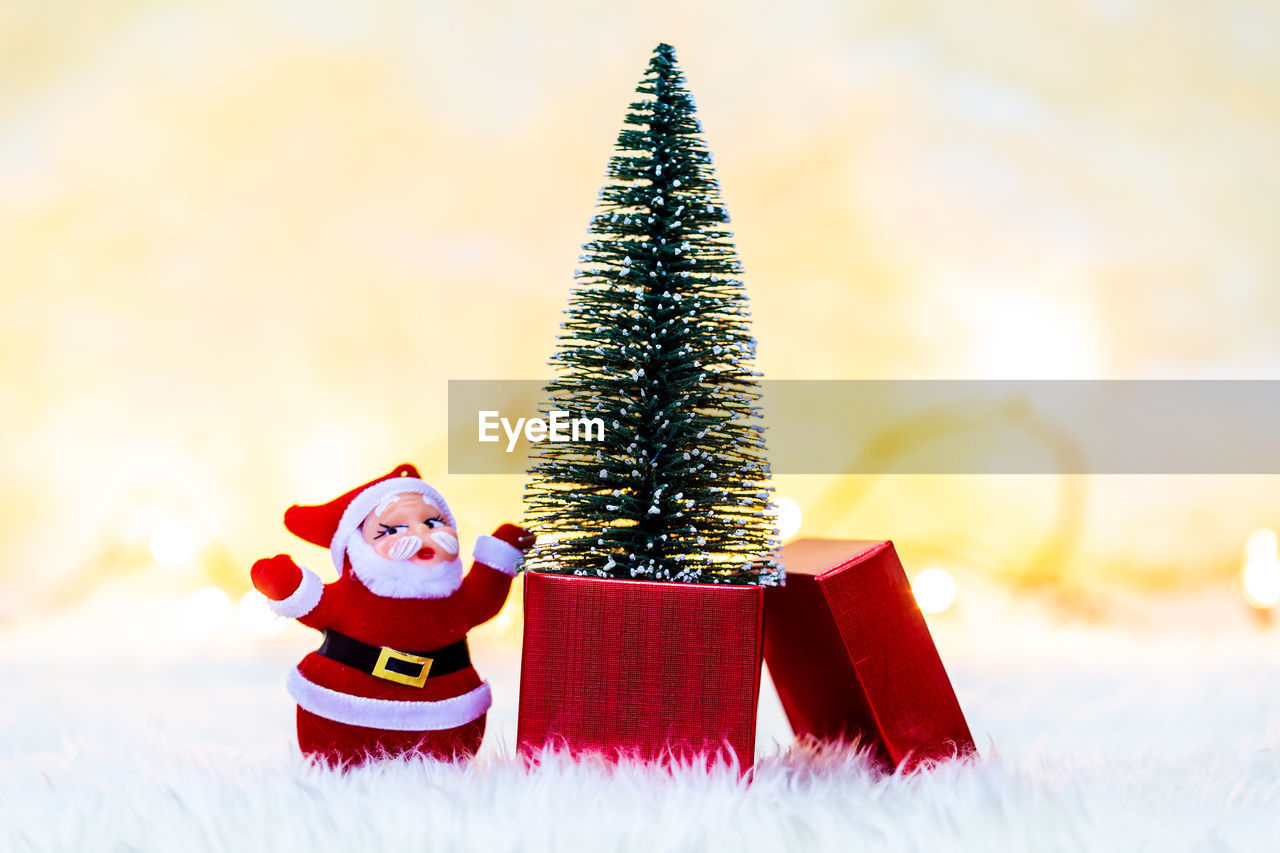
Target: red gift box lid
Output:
{"points": [[852, 658]]}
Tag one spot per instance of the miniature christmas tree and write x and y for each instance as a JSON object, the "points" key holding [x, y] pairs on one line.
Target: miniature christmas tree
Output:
{"points": [[657, 344]]}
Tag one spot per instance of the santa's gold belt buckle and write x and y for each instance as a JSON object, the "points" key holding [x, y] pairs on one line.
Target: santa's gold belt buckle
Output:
{"points": [[387, 655]]}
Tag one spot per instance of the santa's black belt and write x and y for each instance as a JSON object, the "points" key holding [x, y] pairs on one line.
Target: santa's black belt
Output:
{"points": [[412, 668]]}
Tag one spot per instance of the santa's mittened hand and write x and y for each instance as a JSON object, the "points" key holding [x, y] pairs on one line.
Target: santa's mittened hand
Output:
{"points": [[515, 535], [276, 577]]}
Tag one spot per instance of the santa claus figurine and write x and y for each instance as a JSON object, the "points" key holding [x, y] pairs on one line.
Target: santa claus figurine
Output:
{"points": [[393, 675]]}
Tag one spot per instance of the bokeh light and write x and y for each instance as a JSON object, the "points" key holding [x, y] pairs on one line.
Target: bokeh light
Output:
{"points": [[256, 614], [934, 589], [172, 543], [206, 611], [972, 204], [789, 516], [1260, 577]]}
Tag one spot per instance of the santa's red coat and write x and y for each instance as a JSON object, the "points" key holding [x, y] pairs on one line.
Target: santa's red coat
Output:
{"points": [[346, 715]]}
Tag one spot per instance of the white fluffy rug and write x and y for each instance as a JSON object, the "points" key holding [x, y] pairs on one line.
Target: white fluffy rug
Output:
{"points": [[127, 734]]}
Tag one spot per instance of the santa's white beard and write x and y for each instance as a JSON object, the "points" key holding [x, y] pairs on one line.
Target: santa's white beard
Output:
{"points": [[401, 578]]}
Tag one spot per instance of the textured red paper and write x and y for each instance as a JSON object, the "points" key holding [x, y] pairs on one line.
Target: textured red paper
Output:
{"points": [[639, 669], [851, 656]]}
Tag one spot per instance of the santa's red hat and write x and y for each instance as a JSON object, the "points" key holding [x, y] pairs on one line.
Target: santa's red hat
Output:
{"points": [[331, 525]]}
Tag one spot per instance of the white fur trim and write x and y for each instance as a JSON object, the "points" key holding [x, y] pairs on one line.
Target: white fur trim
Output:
{"points": [[392, 714], [367, 501], [495, 553], [401, 578], [303, 599]]}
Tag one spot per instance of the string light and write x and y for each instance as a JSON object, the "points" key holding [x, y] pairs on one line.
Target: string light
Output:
{"points": [[934, 589]]}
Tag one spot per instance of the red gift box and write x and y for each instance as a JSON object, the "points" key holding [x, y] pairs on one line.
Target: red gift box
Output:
{"points": [[640, 669], [852, 658]]}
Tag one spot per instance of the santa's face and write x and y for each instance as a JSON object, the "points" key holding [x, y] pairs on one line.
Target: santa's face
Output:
{"points": [[409, 529]]}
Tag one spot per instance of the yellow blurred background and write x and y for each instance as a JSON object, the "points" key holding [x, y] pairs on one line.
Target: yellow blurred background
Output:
{"points": [[243, 247]]}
